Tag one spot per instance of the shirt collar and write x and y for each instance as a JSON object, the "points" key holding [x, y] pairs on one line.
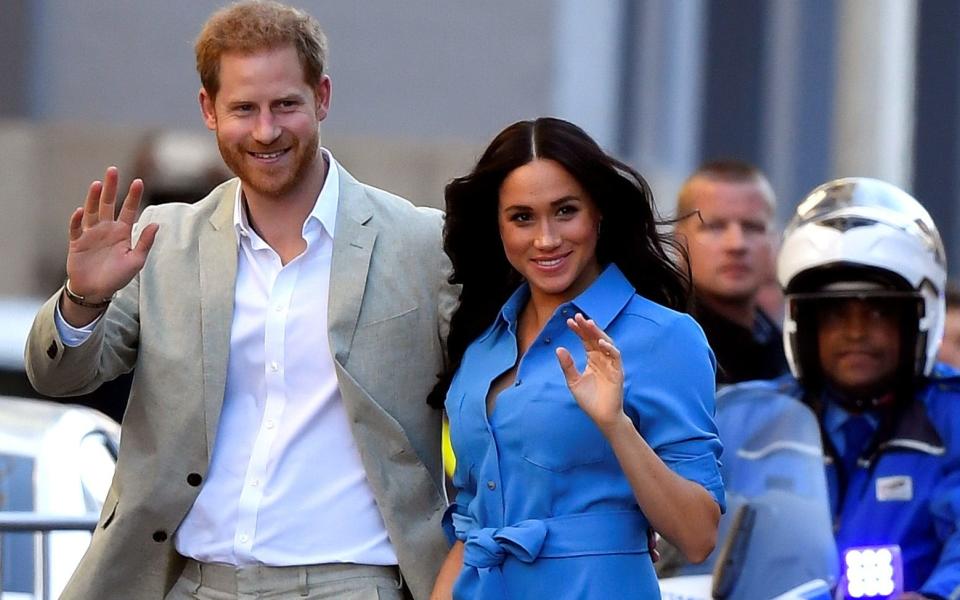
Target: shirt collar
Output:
{"points": [[601, 301], [324, 209], [605, 297], [834, 416]]}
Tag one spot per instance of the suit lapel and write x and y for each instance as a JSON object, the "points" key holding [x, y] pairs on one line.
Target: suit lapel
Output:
{"points": [[352, 248], [218, 274]]}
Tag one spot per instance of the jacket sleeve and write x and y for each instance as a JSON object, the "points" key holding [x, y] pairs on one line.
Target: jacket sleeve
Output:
{"points": [[944, 582]]}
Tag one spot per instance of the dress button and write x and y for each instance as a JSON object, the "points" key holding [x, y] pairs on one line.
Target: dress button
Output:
{"points": [[517, 382], [160, 535], [194, 479], [546, 340], [492, 485]]}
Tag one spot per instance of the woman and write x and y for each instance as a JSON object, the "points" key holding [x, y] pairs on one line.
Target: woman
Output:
{"points": [[580, 404]]}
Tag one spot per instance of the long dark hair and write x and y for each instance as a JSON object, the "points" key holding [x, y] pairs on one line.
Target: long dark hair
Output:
{"points": [[653, 262]]}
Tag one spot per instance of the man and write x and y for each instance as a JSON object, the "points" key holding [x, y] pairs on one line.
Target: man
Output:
{"points": [[864, 273], [727, 209], [285, 332]]}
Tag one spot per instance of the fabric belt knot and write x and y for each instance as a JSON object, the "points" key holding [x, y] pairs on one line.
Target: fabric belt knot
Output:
{"points": [[488, 547]]}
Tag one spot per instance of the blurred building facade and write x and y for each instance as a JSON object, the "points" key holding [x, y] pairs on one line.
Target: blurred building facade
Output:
{"points": [[807, 90]]}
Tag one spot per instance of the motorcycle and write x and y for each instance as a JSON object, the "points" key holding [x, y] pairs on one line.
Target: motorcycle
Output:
{"points": [[776, 537]]}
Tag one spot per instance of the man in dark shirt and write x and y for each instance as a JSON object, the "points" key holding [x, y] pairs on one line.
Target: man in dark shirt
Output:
{"points": [[726, 209], [742, 354]]}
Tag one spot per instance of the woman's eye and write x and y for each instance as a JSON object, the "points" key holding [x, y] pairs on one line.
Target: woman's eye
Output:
{"points": [[520, 217]]}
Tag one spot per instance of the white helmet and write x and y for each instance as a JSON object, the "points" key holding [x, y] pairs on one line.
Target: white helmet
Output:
{"points": [[861, 237]]}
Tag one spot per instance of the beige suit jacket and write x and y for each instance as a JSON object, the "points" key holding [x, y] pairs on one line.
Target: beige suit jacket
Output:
{"points": [[387, 316]]}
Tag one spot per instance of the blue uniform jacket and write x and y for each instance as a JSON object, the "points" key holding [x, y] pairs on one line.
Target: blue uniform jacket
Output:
{"points": [[906, 488], [543, 507]]}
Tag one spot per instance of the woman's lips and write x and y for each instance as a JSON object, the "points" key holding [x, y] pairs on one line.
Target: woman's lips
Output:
{"points": [[550, 263]]}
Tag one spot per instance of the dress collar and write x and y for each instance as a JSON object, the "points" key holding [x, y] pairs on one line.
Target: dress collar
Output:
{"points": [[602, 301]]}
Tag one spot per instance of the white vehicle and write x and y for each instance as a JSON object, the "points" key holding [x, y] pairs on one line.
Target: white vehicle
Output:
{"points": [[56, 463]]}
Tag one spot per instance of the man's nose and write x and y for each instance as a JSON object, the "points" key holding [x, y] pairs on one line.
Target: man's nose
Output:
{"points": [[856, 321], [733, 238], [266, 130]]}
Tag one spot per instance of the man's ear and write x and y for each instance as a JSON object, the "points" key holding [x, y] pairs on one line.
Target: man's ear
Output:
{"points": [[208, 109], [322, 92]]}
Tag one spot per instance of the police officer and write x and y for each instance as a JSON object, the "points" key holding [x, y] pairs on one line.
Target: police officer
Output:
{"points": [[863, 269]]}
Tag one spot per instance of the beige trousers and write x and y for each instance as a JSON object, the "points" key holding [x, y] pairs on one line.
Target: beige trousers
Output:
{"points": [[208, 581]]}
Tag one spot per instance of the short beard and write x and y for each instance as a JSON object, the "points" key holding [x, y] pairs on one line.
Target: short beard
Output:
{"points": [[234, 159]]}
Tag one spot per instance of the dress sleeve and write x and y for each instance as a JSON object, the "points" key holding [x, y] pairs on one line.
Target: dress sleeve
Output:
{"points": [[670, 396], [457, 521]]}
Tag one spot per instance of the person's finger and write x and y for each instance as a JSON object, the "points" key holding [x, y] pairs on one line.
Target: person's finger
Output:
{"points": [[609, 349], [569, 369], [588, 332], [108, 197], [91, 210], [594, 330], [76, 224], [131, 204], [577, 329], [147, 237], [652, 538]]}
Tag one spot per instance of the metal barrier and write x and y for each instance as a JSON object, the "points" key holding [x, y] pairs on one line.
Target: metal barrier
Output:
{"points": [[41, 525]]}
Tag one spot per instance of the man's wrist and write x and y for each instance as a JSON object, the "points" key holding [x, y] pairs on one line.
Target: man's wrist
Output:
{"points": [[85, 301]]}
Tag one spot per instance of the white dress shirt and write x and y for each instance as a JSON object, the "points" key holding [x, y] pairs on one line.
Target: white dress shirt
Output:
{"points": [[285, 484]]}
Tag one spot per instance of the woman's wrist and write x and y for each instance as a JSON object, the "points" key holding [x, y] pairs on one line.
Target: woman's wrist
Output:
{"points": [[619, 426]]}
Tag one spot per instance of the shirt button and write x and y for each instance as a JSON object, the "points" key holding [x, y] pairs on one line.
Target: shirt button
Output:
{"points": [[270, 424], [492, 485], [274, 366], [255, 482], [244, 539], [278, 308]]}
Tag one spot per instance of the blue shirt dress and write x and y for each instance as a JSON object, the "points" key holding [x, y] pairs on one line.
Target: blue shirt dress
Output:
{"points": [[543, 507]]}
